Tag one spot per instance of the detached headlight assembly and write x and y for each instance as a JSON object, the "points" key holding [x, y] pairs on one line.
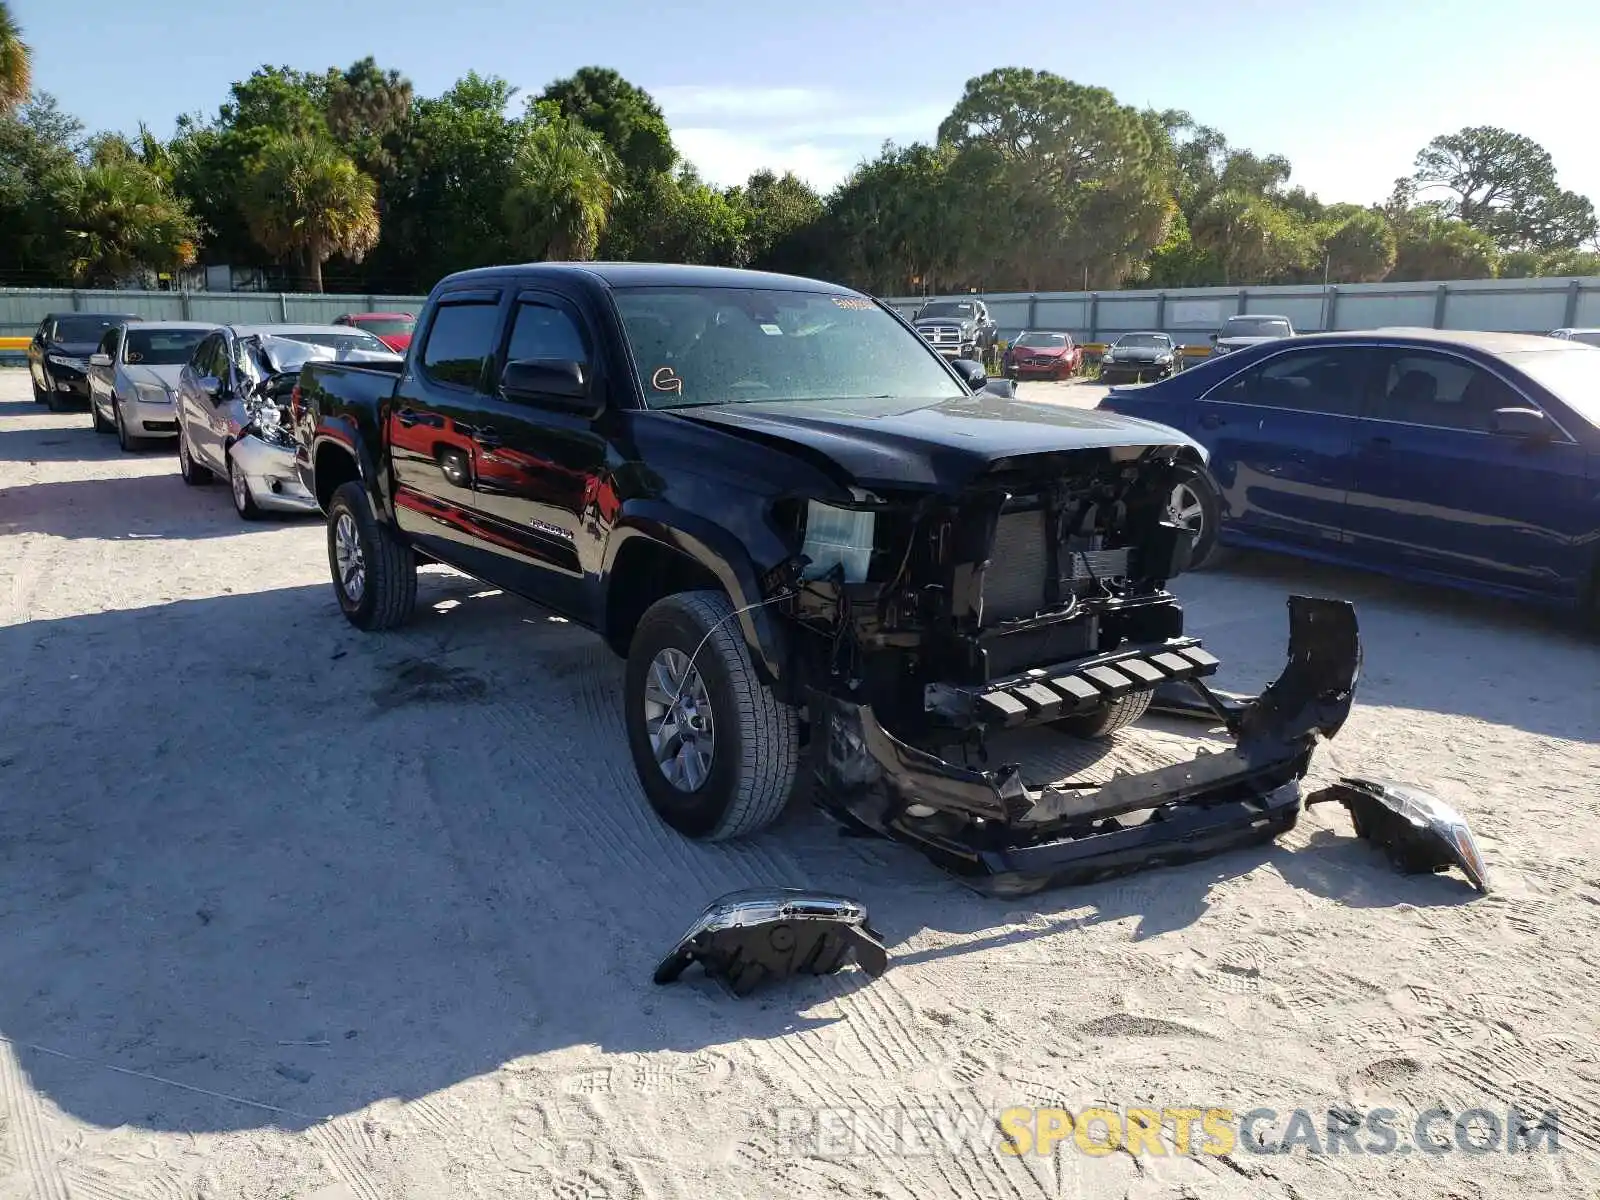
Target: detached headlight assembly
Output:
{"points": [[837, 537], [62, 360]]}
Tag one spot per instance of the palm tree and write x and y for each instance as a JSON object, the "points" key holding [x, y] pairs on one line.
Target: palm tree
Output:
{"points": [[16, 72], [118, 220], [566, 185], [306, 201]]}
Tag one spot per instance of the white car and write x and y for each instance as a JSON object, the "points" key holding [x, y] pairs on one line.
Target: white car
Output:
{"points": [[1589, 337], [231, 402], [133, 374]]}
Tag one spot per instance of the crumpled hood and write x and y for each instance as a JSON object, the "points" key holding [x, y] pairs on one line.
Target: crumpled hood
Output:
{"points": [[1137, 354], [154, 376], [904, 443]]}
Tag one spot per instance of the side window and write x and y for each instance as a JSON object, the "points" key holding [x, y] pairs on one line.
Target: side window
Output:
{"points": [[1313, 381], [205, 355], [540, 331], [1432, 389], [460, 340]]}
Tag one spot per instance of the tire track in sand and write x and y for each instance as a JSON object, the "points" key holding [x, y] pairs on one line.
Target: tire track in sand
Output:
{"points": [[19, 1103]]}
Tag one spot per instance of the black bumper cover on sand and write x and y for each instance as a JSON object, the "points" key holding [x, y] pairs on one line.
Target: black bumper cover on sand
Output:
{"points": [[1005, 837]]}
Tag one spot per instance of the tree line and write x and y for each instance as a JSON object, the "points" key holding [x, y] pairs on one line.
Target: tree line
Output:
{"points": [[346, 180]]}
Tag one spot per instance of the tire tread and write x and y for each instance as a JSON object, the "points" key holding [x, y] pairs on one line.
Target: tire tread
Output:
{"points": [[1118, 714]]}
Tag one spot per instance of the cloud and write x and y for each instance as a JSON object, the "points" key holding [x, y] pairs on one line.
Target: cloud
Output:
{"points": [[820, 134]]}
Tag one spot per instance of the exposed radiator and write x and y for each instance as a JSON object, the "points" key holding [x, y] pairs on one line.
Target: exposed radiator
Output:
{"points": [[1016, 583]]}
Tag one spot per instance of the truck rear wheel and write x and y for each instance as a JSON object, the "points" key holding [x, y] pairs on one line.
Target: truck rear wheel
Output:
{"points": [[374, 572], [715, 752], [1103, 722]]}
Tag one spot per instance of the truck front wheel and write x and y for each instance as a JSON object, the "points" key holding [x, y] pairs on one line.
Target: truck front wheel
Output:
{"points": [[715, 752], [374, 572]]}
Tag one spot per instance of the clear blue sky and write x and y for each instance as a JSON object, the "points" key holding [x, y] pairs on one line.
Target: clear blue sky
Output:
{"points": [[1347, 89]]}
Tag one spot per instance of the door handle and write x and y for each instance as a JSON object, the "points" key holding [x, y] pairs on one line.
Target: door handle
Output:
{"points": [[1211, 421], [486, 437], [408, 417]]}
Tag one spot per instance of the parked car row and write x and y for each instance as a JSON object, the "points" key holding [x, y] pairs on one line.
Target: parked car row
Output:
{"points": [[220, 392]]}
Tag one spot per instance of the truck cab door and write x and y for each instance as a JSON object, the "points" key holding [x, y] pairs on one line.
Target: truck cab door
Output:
{"points": [[542, 478], [431, 429]]}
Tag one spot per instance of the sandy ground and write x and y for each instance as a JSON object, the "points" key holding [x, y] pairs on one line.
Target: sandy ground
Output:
{"points": [[288, 911]]}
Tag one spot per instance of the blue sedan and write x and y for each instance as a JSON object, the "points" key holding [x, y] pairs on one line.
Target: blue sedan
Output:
{"points": [[1471, 459]]}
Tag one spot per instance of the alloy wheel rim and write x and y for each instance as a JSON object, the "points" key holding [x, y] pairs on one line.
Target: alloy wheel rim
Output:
{"points": [[678, 718], [1184, 508], [347, 556]]}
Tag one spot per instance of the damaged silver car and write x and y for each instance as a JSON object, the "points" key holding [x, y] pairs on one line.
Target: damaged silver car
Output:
{"points": [[233, 408]]}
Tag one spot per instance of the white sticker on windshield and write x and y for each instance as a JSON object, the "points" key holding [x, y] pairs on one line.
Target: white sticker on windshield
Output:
{"points": [[772, 331]]}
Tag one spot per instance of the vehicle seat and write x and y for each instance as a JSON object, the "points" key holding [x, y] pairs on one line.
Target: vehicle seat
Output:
{"points": [[1412, 396]]}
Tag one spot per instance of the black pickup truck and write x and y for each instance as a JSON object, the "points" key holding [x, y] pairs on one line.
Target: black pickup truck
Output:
{"points": [[825, 552]]}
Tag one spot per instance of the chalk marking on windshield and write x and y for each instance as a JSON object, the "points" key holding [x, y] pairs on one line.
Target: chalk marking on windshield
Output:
{"points": [[666, 380]]}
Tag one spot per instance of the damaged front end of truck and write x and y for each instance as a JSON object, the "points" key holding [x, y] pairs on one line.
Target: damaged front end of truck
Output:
{"points": [[934, 626]]}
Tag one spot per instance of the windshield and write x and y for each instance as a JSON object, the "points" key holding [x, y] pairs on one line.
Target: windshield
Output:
{"points": [[727, 345], [384, 326], [86, 328], [1572, 375], [160, 347], [950, 308], [1142, 339], [1042, 339], [1255, 327], [354, 340]]}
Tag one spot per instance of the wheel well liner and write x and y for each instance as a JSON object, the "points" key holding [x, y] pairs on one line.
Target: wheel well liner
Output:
{"points": [[645, 571]]}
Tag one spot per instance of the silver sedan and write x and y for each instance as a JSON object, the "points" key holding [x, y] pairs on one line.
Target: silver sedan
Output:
{"points": [[232, 399], [133, 375]]}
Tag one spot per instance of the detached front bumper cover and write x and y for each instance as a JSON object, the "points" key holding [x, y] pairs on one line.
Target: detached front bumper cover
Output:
{"points": [[748, 938], [1005, 836]]}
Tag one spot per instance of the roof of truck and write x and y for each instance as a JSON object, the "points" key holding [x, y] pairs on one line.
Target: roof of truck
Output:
{"points": [[632, 274]]}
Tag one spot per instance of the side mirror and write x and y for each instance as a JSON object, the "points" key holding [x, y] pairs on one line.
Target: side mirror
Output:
{"points": [[1520, 423], [972, 373], [1214, 339], [99, 360], [211, 386], [550, 382]]}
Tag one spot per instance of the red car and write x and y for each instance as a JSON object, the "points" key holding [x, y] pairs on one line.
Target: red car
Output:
{"points": [[1043, 356], [393, 329]]}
